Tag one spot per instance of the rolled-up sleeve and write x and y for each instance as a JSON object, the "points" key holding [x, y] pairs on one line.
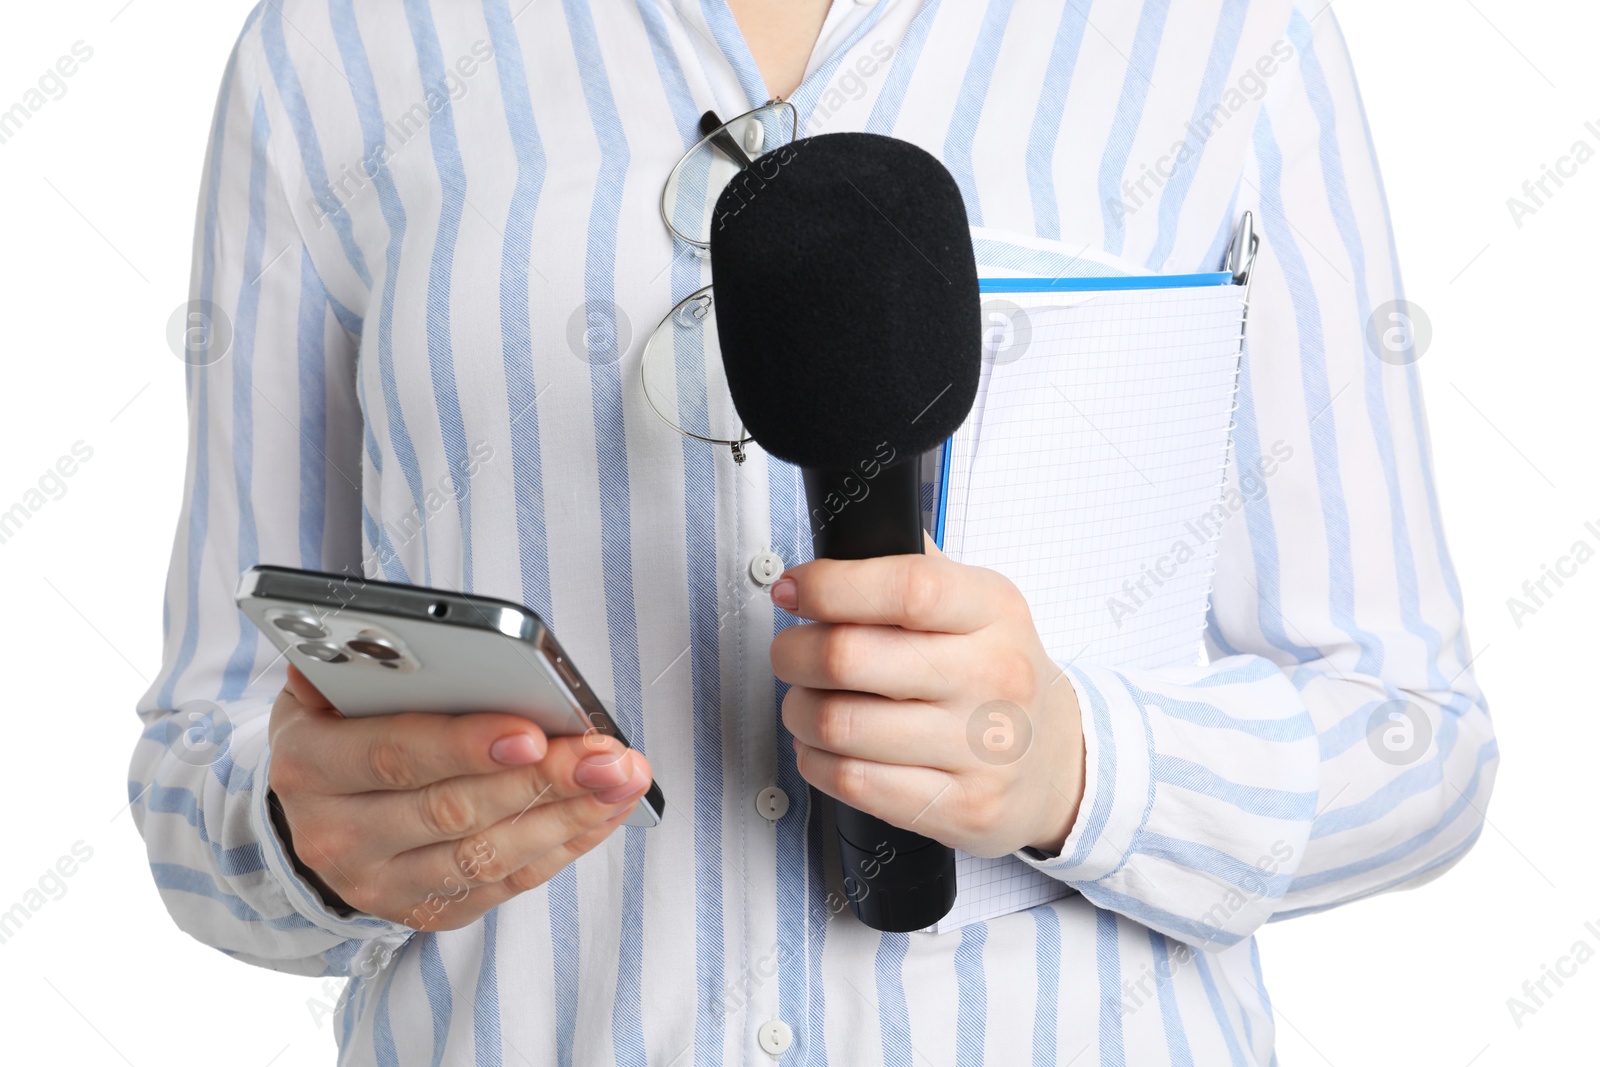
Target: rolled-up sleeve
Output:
{"points": [[1336, 744], [273, 474]]}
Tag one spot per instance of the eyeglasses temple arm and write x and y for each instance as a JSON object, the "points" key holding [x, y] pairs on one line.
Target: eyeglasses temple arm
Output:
{"points": [[724, 142]]}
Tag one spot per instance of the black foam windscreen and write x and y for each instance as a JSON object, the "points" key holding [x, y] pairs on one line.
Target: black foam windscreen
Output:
{"points": [[846, 296]]}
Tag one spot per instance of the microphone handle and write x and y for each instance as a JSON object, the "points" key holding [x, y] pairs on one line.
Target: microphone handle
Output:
{"points": [[896, 880]]}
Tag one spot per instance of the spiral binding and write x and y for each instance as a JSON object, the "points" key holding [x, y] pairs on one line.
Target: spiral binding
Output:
{"points": [[1240, 261]]}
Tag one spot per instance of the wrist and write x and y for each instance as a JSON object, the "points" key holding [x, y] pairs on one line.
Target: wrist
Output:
{"points": [[1065, 768], [280, 823], [1048, 844]]}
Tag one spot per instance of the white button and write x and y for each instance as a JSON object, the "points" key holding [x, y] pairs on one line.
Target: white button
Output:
{"points": [[775, 1036], [772, 803], [765, 567]]}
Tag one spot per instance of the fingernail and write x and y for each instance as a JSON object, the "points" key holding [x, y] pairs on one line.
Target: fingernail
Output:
{"points": [[621, 792], [516, 750], [786, 594], [597, 772]]}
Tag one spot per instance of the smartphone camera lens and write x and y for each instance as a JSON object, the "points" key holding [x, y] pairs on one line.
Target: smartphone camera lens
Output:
{"points": [[325, 652], [300, 626], [438, 609], [373, 648]]}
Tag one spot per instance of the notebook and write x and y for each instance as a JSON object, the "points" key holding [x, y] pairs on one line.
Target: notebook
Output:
{"points": [[1091, 473]]}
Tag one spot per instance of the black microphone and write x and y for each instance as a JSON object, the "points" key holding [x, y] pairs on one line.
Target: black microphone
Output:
{"points": [[847, 306]]}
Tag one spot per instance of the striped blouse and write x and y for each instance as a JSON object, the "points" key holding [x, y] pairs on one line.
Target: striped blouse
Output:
{"points": [[412, 215]]}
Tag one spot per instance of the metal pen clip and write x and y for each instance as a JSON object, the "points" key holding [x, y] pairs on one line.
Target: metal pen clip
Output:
{"points": [[1242, 250]]}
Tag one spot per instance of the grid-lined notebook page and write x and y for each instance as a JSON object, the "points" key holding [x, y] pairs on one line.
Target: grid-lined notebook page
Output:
{"points": [[1091, 474]]}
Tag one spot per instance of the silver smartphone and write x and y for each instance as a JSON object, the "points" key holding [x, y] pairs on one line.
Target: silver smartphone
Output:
{"points": [[374, 648]]}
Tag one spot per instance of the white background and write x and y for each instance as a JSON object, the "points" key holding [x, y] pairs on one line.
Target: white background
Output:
{"points": [[1468, 99]]}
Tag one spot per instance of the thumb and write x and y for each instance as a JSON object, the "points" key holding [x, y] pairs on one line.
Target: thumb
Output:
{"points": [[929, 547]]}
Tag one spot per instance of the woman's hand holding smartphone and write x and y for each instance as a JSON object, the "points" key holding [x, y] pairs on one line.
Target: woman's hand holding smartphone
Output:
{"points": [[431, 820]]}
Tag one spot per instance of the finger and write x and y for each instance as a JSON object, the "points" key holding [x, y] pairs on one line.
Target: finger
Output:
{"points": [[307, 694], [458, 807], [504, 848], [908, 797], [448, 912], [915, 591], [905, 732], [413, 749], [899, 664]]}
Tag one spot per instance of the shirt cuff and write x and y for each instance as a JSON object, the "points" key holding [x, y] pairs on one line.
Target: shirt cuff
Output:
{"points": [[301, 895], [1118, 787]]}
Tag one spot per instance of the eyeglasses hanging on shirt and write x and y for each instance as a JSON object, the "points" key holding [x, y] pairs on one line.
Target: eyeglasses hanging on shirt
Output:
{"points": [[681, 369]]}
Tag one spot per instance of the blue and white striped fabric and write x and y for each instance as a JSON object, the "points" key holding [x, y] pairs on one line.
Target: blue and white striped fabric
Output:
{"points": [[411, 213]]}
